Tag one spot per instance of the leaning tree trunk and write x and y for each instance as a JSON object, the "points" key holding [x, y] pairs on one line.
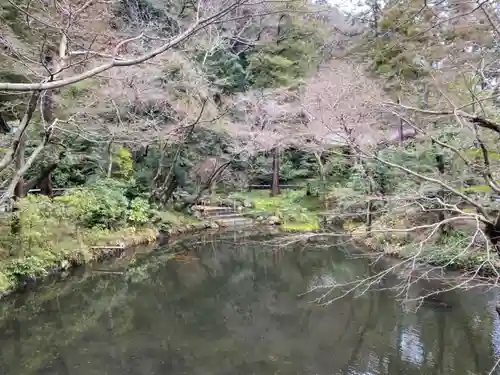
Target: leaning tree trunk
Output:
{"points": [[54, 63], [207, 185], [172, 185], [275, 182], [19, 190], [15, 227]]}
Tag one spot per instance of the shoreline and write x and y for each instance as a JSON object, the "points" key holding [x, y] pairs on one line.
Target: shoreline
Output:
{"points": [[130, 238], [474, 260]]}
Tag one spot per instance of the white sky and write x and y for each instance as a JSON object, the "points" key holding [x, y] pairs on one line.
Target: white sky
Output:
{"points": [[349, 6]]}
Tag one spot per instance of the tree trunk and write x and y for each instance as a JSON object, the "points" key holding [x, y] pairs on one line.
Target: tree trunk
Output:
{"points": [[172, 185], [401, 127], [15, 226], [440, 166], [47, 109], [110, 159], [369, 204], [209, 183], [322, 177], [275, 182], [46, 185], [19, 190], [492, 231], [44, 178]]}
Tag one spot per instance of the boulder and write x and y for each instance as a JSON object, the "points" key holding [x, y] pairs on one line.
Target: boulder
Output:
{"points": [[200, 226], [273, 220], [227, 202]]}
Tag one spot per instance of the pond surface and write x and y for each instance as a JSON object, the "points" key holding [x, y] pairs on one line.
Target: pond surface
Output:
{"points": [[233, 305]]}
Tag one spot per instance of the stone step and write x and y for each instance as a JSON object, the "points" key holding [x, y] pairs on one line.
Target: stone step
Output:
{"points": [[229, 215], [235, 221], [212, 208]]}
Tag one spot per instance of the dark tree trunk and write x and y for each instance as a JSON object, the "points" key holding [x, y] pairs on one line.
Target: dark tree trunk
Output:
{"points": [[44, 177], [46, 185], [4, 126], [15, 227], [275, 182], [493, 233], [209, 183], [170, 190], [444, 229], [369, 207], [19, 190]]}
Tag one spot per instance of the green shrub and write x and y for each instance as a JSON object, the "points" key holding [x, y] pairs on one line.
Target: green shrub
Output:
{"points": [[140, 211], [102, 204], [123, 167], [22, 268]]}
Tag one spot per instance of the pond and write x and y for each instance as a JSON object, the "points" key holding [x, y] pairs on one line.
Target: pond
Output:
{"points": [[234, 304]]}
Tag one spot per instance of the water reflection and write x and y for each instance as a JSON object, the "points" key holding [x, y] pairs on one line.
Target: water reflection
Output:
{"points": [[235, 306]]}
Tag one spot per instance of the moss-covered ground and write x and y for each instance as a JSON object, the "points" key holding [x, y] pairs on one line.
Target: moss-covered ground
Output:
{"points": [[296, 210]]}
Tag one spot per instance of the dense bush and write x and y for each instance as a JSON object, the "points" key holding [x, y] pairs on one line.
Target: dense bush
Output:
{"points": [[103, 204], [140, 211]]}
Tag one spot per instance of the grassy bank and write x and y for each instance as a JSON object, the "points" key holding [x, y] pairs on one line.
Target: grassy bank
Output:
{"points": [[294, 209], [48, 235], [453, 250]]}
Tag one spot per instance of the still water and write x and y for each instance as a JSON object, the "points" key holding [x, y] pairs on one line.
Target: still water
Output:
{"points": [[229, 304]]}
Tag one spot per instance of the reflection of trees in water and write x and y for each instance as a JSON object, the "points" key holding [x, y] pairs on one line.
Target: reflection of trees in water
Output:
{"points": [[48, 326], [368, 324], [234, 308]]}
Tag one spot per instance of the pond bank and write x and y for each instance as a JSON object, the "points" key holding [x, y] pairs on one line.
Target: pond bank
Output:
{"points": [[453, 251], [48, 248], [55, 250], [292, 210], [295, 211], [199, 291]]}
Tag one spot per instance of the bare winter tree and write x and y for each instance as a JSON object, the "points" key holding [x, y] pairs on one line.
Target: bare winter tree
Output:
{"points": [[434, 147], [273, 119], [71, 56]]}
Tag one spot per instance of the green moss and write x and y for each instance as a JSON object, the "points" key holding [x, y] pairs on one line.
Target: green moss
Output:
{"points": [[300, 227], [176, 219], [12, 76], [295, 208], [123, 162], [477, 189]]}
